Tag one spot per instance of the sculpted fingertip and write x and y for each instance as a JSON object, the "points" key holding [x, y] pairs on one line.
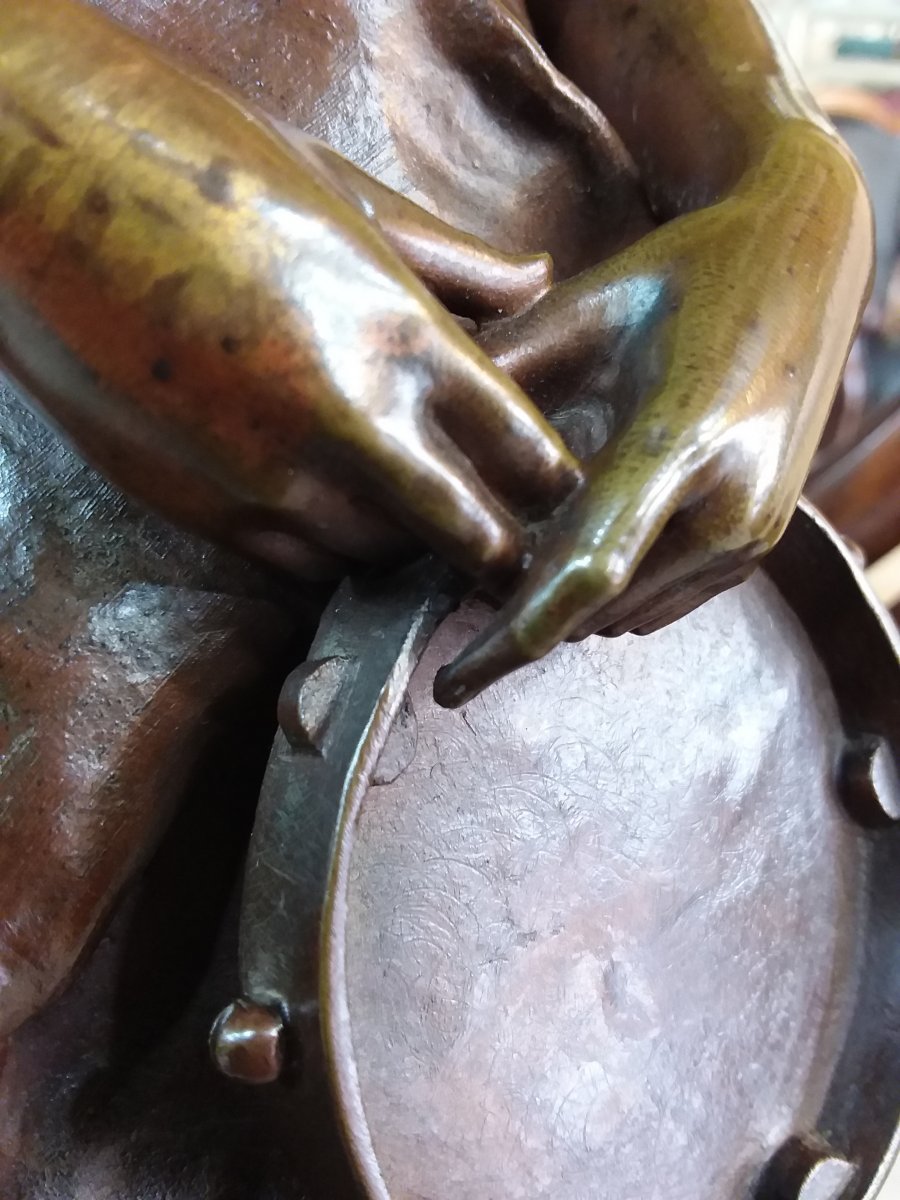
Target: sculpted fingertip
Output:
{"points": [[498, 652], [497, 560], [451, 692], [539, 271], [570, 475], [530, 279], [466, 678], [479, 665]]}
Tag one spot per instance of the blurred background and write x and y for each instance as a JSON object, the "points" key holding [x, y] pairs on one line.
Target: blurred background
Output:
{"points": [[849, 55]]}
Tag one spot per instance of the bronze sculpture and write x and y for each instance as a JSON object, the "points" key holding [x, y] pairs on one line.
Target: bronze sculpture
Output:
{"points": [[702, 427], [203, 325]]}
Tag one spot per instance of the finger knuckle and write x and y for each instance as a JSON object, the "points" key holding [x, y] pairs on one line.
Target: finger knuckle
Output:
{"points": [[495, 545], [594, 580], [609, 573], [746, 523]]}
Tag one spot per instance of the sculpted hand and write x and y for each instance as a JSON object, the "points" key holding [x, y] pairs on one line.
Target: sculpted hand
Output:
{"points": [[238, 331], [716, 345]]}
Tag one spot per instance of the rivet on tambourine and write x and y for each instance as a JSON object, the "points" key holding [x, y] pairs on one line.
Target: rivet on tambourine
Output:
{"points": [[307, 701], [247, 1042], [869, 782], [807, 1168]]}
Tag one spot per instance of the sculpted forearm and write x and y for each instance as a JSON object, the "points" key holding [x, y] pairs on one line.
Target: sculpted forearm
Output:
{"points": [[237, 330], [696, 88], [718, 120], [729, 325]]}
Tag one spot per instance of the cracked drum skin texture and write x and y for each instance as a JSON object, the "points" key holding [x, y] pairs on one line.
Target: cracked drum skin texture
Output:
{"points": [[614, 947], [602, 930]]}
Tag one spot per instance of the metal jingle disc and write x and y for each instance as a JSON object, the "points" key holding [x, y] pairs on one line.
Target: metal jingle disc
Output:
{"points": [[627, 925]]}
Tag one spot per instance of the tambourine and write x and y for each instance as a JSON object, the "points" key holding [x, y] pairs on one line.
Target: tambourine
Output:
{"points": [[625, 926]]}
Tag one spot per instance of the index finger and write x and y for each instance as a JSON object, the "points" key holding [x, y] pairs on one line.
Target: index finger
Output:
{"points": [[590, 557]]}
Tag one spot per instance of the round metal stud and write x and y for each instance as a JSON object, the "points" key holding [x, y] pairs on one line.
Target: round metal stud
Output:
{"points": [[806, 1168], [829, 1179], [247, 1042], [307, 701], [869, 781]]}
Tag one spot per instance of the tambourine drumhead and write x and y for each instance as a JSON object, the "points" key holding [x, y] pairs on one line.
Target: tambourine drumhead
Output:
{"points": [[603, 932]]}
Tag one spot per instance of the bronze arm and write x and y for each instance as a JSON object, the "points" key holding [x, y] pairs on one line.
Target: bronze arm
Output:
{"points": [[236, 330], [720, 336], [717, 341]]}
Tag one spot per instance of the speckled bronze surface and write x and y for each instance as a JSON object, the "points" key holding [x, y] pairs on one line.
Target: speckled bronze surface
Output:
{"points": [[448, 104], [128, 653]]}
